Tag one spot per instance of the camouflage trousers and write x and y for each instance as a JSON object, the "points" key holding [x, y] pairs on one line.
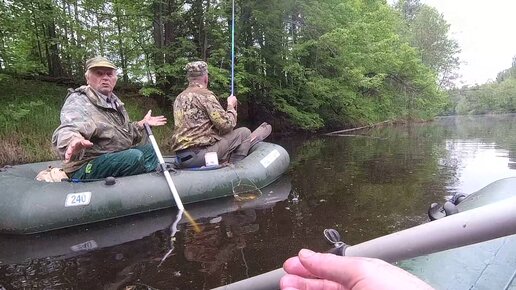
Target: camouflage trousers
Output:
{"points": [[135, 160], [232, 147]]}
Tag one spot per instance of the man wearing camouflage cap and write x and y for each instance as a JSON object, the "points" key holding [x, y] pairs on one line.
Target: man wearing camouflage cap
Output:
{"points": [[202, 125], [96, 138]]}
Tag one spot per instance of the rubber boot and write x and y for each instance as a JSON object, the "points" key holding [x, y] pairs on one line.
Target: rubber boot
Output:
{"points": [[260, 133]]}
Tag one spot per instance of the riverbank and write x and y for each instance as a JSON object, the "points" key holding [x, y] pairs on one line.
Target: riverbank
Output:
{"points": [[30, 108]]}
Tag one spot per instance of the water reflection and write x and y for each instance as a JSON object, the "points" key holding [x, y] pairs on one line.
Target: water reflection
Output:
{"points": [[367, 185], [480, 165], [220, 239], [115, 254], [377, 181]]}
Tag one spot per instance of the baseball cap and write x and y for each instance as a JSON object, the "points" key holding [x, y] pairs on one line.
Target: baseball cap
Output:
{"points": [[99, 61], [196, 68]]}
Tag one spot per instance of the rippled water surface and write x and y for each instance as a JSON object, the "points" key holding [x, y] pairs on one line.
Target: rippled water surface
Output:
{"points": [[365, 184]]}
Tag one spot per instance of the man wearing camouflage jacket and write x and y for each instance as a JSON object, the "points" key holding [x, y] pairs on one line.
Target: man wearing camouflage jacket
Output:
{"points": [[96, 138], [202, 125]]}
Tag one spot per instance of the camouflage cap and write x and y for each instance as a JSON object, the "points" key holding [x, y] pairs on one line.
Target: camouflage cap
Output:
{"points": [[196, 68], [99, 61]]}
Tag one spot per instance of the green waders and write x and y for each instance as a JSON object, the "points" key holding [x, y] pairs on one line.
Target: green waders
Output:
{"points": [[132, 161]]}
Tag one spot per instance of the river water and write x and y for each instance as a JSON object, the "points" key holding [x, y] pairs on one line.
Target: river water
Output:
{"points": [[365, 184]]}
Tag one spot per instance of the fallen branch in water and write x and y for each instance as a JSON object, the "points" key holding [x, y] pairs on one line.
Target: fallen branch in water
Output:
{"points": [[355, 135], [357, 128]]}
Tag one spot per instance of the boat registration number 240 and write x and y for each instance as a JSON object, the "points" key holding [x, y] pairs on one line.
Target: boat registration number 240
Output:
{"points": [[77, 199]]}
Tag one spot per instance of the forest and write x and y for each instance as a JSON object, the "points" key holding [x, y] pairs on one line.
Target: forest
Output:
{"points": [[494, 97], [307, 65]]}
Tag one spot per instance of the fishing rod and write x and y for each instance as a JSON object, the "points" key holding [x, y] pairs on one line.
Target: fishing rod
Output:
{"points": [[233, 49], [473, 226]]}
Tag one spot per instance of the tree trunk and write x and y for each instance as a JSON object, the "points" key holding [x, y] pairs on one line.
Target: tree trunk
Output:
{"points": [[204, 47], [78, 38], [171, 26], [36, 24], [65, 42], [121, 51], [157, 34], [99, 33], [55, 68]]}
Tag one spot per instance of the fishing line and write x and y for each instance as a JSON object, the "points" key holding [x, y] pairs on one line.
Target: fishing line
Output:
{"points": [[244, 189], [194, 224], [249, 190]]}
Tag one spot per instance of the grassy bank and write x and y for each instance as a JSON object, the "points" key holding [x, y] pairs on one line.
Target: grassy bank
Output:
{"points": [[29, 113]]}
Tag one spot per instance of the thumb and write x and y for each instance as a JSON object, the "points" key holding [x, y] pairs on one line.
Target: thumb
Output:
{"points": [[86, 143], [329, 266], [148, 114]]}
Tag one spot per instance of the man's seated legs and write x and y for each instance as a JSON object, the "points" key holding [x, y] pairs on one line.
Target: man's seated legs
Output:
{"points": [[237, 144], [234, 145], [132, 161]]}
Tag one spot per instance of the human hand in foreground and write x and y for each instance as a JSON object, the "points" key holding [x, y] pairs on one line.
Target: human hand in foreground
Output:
{"points": [[152, 120], [232, 102], [316, 271], [75, 147]]}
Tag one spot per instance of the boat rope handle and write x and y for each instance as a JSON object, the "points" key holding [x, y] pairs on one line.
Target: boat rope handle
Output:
{"points": [[333, 236]]}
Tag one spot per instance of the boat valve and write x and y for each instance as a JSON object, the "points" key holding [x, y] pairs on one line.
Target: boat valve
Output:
{"points": [[110, 180]]}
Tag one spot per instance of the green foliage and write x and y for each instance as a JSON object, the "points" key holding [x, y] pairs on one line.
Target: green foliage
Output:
{"points": [[313, 64], [508, 73], [364, 71], [28, 115], [149, 91], [14, 114], [493, 97], [427, 30]]}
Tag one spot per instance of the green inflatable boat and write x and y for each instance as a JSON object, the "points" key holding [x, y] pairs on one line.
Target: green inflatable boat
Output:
{"points": [[486, 265], [470, 244], [28, 206]]}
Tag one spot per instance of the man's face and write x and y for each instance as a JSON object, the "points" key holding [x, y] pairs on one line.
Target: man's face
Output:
{"points": [[102, 79]]}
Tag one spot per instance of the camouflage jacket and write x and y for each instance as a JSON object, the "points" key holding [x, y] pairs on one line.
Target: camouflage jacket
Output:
{"points": [[199, 118], [87, 115]]}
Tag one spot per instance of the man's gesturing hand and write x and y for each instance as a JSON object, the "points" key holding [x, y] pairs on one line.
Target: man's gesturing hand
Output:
{"points": [[152, 120], [76, 146]]}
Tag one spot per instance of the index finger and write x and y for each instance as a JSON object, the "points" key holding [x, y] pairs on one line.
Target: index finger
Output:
{"points": [[294, 282], [70, 149]]}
